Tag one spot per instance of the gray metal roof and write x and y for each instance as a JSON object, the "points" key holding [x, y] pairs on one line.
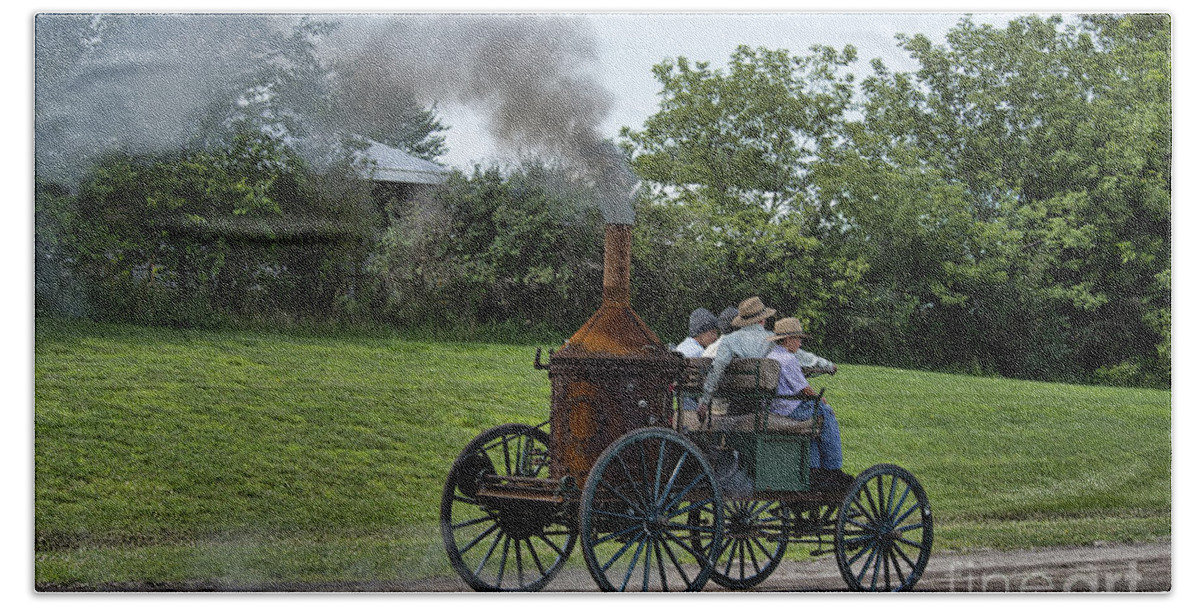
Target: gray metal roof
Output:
{"points": [[395, 165]]}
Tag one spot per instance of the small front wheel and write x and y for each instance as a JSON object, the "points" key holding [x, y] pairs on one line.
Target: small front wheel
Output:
{"points": [[502, 547], [884, 531], [755, 539]]}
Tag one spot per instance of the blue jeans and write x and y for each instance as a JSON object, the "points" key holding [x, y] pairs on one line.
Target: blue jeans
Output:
{"points": [[826, 451]]}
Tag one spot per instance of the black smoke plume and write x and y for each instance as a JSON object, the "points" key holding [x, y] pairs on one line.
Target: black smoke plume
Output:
{"points": [[154, 82]]}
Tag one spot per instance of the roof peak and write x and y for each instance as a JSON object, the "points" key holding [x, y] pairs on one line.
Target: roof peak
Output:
{"points": [[391, 164]]}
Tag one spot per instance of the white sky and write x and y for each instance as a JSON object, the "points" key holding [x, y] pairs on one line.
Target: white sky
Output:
{"points": [[631, 43]]}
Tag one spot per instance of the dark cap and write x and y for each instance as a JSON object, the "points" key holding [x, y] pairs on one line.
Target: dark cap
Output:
{"points": [[701, 321], [725, 320]]}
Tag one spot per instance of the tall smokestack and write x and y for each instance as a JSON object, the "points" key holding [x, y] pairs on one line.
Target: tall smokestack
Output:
{"points": [[618, 246], [612, 376], [615, 329]]}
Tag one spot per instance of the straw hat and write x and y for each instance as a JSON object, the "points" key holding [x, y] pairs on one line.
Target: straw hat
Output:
{"points": [[788, 327], [752, 310]]}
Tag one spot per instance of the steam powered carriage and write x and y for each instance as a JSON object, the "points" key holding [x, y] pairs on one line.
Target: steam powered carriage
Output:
{"points": [[655, 507]]}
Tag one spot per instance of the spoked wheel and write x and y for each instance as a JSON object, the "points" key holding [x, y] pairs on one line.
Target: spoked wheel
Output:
{"points": [[499, 546], [650, 515], [754, 541], [884, 531]]}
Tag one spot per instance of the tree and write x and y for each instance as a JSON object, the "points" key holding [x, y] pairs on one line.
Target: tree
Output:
{"points": [[260, 205], [326, 110], [202, 236], [408, 126], [1005, 208], [727, 163], [740, 140], [131, 227], [1056, 138], [494, 247]]}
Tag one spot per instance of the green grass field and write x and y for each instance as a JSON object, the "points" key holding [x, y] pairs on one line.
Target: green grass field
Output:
{"points": [[240, 458]]}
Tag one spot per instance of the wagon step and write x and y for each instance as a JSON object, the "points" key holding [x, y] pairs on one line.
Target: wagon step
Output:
{"points": [[526, 488]]}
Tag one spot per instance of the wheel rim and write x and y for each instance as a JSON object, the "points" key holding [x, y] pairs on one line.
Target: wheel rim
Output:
{"points": [[884, 531], [755, 539], [649, 515], [502, 549]]}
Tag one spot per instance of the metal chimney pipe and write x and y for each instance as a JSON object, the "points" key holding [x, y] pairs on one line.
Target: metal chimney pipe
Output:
{"points": [[618, 245]]}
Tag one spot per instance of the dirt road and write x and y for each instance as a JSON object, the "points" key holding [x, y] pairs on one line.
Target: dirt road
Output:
{"points": [[1140, 567], [1144, 567], [1107, 567]]}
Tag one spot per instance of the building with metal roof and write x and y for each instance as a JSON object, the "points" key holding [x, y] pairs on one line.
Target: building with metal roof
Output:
{"points": [[388, 164]]}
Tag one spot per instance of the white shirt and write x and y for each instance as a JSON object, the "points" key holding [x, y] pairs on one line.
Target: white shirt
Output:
{"points": [[812, 364], [690, 348]]}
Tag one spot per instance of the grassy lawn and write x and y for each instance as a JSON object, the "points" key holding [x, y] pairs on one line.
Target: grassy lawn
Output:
{"points": [[250, 458]]}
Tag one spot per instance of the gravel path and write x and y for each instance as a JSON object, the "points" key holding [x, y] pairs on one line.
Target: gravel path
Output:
{"points": [[1142, 567], [1104, 567]]}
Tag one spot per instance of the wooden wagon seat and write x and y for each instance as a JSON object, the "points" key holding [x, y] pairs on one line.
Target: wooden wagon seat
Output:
{"points": [[775, 424], [745, 379]]}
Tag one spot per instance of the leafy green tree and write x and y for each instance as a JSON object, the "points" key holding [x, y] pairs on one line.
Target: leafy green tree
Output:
{"points": [[1059, 138], [1005, 208], [522, 246], [727, 163], [55, 290], [201, 236], [262, 214], [739, 139], [128, 227]]}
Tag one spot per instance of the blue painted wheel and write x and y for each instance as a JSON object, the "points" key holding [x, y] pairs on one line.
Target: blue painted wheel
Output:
{"points": [[502, 548], [755, 539], [651, 516], [884, 531]]}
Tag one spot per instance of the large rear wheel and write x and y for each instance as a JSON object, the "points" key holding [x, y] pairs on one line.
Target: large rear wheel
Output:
{"points": [[650, 514]]}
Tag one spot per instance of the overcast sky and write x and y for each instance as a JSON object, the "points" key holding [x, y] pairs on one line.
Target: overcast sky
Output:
{"points": [[626, 46], [629, 44]]}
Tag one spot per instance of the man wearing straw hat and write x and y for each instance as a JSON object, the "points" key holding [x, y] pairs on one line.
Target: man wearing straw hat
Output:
{"points": [[826, 455], [752, 339], [810, 362]]}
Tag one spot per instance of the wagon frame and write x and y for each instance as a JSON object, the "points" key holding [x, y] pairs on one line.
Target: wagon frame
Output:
{"points": [[667, 508]]}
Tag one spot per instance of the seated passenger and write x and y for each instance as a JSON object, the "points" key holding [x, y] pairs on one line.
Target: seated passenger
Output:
{"points": [[752, 339], [809, 362], [826, 455], [702, 331], [725, 325]]}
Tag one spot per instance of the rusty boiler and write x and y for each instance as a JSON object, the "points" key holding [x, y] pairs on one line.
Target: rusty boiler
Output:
{"points": [[612, 376]]}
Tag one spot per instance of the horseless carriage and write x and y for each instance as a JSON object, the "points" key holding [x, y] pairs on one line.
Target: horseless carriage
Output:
{"points": [[654, 506]]}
